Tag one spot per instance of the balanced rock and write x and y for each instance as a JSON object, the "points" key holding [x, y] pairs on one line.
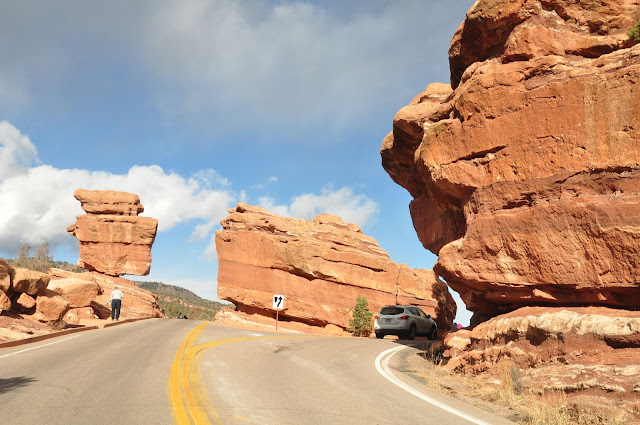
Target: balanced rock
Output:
{"points": [[29, 281], [109, 202], [113, 240], [320, 266], [526, 175]]}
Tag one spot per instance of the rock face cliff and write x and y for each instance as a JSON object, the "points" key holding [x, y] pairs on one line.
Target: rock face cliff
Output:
{"points": [[113, 240], [525, 171], [321, 266]]}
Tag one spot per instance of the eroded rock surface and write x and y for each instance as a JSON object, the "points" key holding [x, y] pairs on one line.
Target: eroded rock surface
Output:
{"points": [[29, 281], [321, 266], [62, 297], [592, 354], [113, 240], [526, 176]]}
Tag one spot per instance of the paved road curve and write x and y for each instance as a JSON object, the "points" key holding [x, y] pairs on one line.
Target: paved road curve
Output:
{"points": [[116, 375], [162, 371]]}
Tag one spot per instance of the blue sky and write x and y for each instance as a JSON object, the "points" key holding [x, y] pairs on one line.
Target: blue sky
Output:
{"points": [[196, 105]]}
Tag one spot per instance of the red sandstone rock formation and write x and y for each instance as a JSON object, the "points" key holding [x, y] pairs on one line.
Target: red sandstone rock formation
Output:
{"points": [[321, 266], [526, 176], [79, 292], [113, 240], [5, 302], [50, 306], [136, 302], [29, 281], [61, 296], [589, 353], [5, 276], [23, 303]]}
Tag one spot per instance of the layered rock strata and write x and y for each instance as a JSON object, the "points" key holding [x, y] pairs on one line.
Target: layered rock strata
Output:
{"points": [[526, 175], [592, 354], [113, 239], [320, 266]]}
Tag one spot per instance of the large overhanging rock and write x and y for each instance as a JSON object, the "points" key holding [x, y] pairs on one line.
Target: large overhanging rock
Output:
{"points": [[526, 177], [321, 266], [113, 240]]}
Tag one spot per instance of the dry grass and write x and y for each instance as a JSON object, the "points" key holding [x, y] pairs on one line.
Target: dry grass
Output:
{"points": [[507, 396]]}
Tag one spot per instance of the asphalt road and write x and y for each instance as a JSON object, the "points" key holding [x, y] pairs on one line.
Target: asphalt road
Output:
{"points": [[162, 371]]}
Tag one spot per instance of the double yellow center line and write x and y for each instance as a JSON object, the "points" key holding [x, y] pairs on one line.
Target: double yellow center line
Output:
{"points": [[189, 401]]}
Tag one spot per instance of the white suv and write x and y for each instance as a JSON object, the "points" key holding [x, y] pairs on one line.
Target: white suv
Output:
{"points": [[405, 321]]}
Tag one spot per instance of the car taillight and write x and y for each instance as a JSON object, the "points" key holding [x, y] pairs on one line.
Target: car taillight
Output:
{"points": [[375, 317], [403, 317]]}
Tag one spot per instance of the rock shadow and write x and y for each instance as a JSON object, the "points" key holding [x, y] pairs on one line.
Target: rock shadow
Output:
{"points": [[8, 384]]}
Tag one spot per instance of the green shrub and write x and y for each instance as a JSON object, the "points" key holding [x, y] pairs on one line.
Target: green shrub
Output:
{"points": [[634, 33], [360, 324]]}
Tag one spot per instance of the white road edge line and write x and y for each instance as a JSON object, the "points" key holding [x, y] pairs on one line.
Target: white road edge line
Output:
{"points": [[382, 365], [39, 346]]}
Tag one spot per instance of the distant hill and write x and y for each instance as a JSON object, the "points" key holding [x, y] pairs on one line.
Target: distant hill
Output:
{"points": [[175, 300]]}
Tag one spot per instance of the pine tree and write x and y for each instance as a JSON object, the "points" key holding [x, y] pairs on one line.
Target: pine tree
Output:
{"points": [[360, 324], [634, 33]]}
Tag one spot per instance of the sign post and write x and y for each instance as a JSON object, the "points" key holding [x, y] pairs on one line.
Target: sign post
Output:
{"points": [[278, 304]]}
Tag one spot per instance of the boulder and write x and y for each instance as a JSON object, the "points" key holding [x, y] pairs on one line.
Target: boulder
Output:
{"points": [[29, 281], [525, 176], [24, 303], [333, 330], [5, 276], [51, 306], [320, 266], [79, 292], [112, 238], [136, 302], [5, 302], [109, 202], [75, 315]]}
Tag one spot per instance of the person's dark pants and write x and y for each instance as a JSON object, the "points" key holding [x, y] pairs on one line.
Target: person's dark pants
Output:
{"points": [[115, 309]]}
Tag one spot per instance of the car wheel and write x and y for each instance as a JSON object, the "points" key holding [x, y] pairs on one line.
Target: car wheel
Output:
{"points": [[379, 335], [412, 332], [433, 334]]}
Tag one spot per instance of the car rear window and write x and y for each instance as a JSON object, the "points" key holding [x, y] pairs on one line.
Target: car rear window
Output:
{"points": [[391, 310]]}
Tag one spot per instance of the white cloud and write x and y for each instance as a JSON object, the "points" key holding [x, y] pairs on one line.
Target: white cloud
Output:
{"points": [[17, 153], [286, 64], [281, 71], [38, 203], [353, 208]]}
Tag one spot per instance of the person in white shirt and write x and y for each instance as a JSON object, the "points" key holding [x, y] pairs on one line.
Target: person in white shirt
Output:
{"points": [[116, 302]]}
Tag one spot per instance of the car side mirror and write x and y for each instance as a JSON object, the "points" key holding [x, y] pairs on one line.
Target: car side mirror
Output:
{"points": [[428, 316]]}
